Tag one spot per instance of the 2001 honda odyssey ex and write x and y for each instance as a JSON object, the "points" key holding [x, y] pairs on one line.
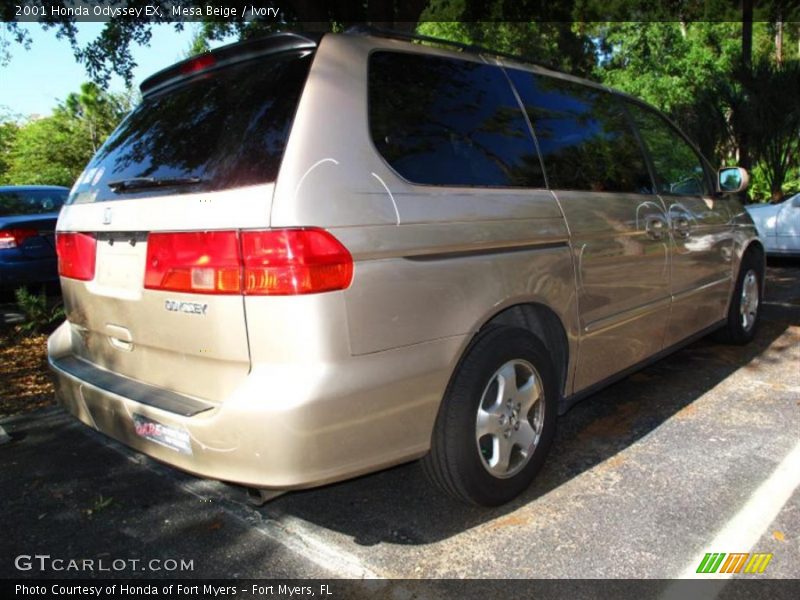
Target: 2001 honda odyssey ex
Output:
{"points": [[303, 259]]}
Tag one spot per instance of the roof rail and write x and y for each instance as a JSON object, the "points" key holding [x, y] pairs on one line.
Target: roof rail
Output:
{"points": [[472, 48]]}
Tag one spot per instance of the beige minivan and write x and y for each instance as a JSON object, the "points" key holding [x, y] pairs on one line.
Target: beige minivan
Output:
{"points": [[305, 258]]}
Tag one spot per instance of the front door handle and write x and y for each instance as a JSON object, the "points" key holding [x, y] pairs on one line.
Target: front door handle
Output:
{"points": [[681, 226], [655, 227]]}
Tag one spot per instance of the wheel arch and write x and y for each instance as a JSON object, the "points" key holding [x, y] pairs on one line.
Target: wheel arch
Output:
{"points": [[545, 324], [540, 320]]}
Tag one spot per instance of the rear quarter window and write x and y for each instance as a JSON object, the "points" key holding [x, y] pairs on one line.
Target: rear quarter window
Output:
{"points": [[226, 128], [442, 121]]}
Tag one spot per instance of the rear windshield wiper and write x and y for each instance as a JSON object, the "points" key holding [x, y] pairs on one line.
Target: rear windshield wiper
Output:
{"points": [[139, 183]]}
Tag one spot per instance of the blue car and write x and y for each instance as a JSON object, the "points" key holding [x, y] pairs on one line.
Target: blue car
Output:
{"points": [[28, 215]]}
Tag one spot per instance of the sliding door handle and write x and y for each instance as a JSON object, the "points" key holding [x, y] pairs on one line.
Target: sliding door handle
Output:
{"points": [[682, 227], [655, 227]]}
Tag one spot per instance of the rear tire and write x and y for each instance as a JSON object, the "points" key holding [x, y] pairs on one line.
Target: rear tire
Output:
{"points": [[497, 419], [745, 307]]}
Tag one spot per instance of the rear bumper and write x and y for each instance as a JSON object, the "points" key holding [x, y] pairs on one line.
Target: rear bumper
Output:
{"points": [[287, 426]]}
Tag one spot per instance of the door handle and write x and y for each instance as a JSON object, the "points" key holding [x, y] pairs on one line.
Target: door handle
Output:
{"points": [[655, 227], [681, 226]]}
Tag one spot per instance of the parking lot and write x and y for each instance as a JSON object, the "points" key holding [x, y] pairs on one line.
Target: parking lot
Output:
{"points": [[697, 453]]}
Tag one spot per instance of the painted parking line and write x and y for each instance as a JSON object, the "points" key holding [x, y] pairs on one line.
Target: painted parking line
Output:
{"points": [[744, 530]]}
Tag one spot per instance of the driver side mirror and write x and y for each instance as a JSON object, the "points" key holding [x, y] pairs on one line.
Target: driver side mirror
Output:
{"points": [[733, 179]]}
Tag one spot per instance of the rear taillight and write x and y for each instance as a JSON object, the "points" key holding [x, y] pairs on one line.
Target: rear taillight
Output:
{"points": [[76, 255], [294, 261], [274, 262], [13, 238], [205, 262]]}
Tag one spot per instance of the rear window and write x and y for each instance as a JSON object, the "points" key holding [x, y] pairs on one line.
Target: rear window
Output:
{"points": [[222, 129], [31, 202]]}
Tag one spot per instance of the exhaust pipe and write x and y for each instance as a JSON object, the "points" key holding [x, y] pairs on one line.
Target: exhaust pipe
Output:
{"points": [[259, 497]]}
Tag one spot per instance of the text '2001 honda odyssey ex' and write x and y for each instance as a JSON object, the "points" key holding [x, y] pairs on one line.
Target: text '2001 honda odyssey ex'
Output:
{"points": [[303, 259]]}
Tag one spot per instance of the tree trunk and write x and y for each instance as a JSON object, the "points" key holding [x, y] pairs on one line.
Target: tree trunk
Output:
{"points": [[779, 43], [747, 34], [747, 68]]}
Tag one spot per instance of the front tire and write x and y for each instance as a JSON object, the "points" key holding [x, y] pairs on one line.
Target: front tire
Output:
{"points": [[497, 419], [745, 307]]}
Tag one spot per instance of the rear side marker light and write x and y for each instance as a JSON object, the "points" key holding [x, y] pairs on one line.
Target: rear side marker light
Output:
{"points": [[14, 238], [278, 262], [76, 255]]}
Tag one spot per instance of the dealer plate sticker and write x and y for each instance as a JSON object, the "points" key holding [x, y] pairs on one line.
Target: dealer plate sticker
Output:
{"points": [[174, 438]]}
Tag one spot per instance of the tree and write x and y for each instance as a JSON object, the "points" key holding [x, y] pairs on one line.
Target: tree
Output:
{"points": [[98, 111], [772, 116], [111, 52], [559, 45], [199, 43], [8, 135], [50, 150], [55, 149]]}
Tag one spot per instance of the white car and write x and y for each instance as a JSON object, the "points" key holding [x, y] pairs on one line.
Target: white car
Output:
{"points": [[778, 226]]}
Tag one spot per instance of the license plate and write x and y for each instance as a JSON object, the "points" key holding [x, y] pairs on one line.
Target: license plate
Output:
{"points": [[120, 266], [174, 438]]}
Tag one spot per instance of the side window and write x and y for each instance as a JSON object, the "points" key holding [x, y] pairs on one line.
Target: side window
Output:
{"points": [[586, 140], [442, 121], [678, 168]]}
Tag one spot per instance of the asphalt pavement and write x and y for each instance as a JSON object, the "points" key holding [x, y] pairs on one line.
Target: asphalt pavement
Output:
{"points": [[695, 454]]}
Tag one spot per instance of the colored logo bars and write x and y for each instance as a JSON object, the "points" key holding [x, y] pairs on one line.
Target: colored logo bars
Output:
{"points": [[752, 563]]}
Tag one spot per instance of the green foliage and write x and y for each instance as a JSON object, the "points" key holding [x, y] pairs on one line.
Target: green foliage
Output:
{"points": [[772, 116], [760, 189], [559, 45], [51, 150], [97, 111], [675, 59], [8, 135], [666, 64], [200, 42], [696, 72], [39, 314], [54, 150]]}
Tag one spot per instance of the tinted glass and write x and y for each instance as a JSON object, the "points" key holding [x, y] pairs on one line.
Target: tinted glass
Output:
{"points": [[586, 140], [449, 122], [227, 127], [678, 169], [31, 202]]}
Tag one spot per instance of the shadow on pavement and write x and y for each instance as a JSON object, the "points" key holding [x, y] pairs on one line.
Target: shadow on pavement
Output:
{"points": [[56, 486], [399, 506]]}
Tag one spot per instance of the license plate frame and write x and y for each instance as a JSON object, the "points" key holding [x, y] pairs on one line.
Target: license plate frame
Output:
{"points": [[175, 438]]}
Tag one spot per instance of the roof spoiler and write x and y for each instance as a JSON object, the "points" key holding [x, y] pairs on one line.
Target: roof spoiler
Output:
{"points": [[226, 55]]}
